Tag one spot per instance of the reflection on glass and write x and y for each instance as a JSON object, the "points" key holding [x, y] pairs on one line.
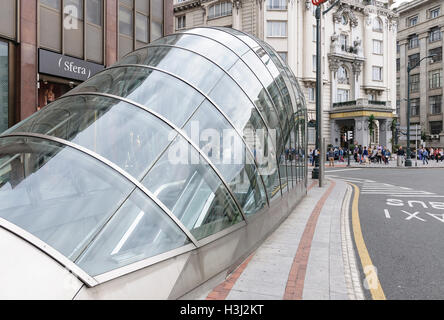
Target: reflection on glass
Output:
{"points": [[199, 71], [138, 230], [122, 133], [228, 153], [58, 194], [190, 188], [157, 91], [235, 44], [210, 49]]}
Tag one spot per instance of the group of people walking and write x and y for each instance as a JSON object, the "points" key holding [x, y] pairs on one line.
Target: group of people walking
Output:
{"points": [[426, 154], [376, 154]]}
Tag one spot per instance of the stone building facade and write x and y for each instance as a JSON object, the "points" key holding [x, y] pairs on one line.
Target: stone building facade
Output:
{"points": [[420, 34], [358, 54]]}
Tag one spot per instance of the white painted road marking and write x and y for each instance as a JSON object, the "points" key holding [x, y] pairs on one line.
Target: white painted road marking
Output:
{"points": [[413, 215], [387, 214]]}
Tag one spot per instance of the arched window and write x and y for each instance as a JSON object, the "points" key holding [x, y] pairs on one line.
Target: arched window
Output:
{"points": [[377, 24]]}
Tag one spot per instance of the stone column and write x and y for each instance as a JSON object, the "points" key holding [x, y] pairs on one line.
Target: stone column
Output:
{"points": [[335, 133], [356, 74], [334, 66], [361, 131], [385, 133], [111, 32], [424, 81], [441, 135], [27, 52]]}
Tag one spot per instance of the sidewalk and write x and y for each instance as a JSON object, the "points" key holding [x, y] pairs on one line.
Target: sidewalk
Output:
{"points": [[309, 256], [392, 164]]}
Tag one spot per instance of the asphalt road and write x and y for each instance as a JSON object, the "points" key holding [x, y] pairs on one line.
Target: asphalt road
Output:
{"points": [[402, 219]]}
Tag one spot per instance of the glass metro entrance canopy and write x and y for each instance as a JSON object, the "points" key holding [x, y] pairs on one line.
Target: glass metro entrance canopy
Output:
{"points": [[114, 173]]}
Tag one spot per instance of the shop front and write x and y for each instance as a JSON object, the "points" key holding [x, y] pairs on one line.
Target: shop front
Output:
{"points": [[58, 74]]}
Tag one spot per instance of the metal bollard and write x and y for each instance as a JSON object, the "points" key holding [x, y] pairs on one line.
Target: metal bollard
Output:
{"points": [[399, 161]]}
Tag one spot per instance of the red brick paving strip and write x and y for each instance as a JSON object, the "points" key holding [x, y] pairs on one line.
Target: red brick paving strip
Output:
{"points": [[296, 278], [221, 291]]}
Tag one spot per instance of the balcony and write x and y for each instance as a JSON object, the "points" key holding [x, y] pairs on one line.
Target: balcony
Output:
{"points": [[362, 105]]}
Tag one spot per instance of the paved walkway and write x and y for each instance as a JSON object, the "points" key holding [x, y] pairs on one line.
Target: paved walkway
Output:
{"points": [[392, 164], [309, 256]]}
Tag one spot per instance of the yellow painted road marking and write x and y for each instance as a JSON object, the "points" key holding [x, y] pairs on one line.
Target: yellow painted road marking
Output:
{"points": [[366, 261]]}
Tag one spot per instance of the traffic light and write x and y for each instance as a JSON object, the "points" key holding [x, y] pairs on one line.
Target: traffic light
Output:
{"points": [[349, 135]]}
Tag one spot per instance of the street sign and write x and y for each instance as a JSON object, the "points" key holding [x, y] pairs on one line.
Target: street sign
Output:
{"points": [[412, 127]]}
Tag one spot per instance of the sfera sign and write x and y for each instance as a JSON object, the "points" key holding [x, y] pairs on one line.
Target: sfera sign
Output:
{"points": [[55, 64]]}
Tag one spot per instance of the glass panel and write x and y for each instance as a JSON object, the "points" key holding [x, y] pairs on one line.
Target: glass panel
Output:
{"points": [[157, 9], [189, 187], [156, 30], [138, 230], [226, 150], [74, 8], [56, 4], [268, 82], [124, 134], [199, 71], [58, 194], [160, 92], [208, 48], [94, 11], [4, 86], [125, 21], [235, 44], [141, 28]]}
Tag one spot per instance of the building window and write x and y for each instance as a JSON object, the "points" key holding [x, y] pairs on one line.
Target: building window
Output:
{"points": [[414, 107], [220, 9], [4, 86], [276, 28], [377, 24], [434, 13], [311, 94], [277, 5], [398, 107], [437, 53], [413, 60], [398, 65], [377, 47], [412, 21], [343, 40], [181, 22], [398, 47], [397, 86], [343, 95], [435, 79], [377, 73], [414, 82], [342, 75], [55, 4], [140, 22], [435, 34], [435, 127], [284, 56], [435, 104], [413, 41], [314, 63], [94, 12]]}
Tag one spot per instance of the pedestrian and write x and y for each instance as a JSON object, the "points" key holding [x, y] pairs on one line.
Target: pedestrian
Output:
{"points": [[365, 155], [401, 154], [387, 156], [425, 155], [379, 154]]}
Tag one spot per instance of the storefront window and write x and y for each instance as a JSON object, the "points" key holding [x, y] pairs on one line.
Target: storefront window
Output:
{"points": [[4, 86]]}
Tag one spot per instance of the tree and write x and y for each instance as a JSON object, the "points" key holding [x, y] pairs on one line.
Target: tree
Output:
{"points": [[371, 126]]}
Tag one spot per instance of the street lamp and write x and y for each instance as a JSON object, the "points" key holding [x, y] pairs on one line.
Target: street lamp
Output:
{"points": [[408, 160], [320, 160]]}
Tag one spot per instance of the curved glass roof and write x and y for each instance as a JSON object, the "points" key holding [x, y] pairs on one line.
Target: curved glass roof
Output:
{"points": [[178, 141]]}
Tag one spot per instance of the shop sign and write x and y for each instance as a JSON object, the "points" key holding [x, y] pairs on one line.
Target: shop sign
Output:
{"points": [[55, 64]]}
